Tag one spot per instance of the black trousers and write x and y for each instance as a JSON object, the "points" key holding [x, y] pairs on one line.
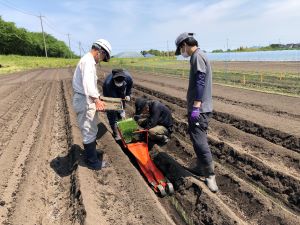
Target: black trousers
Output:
{"points": [[113, 117], [198, 134]]}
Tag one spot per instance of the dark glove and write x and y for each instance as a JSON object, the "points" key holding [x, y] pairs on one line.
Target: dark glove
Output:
{"points": [[195, 114], [136, 117]]}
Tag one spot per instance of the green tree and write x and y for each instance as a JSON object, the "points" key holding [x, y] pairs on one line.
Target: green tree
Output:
{"points": [[19, 41]]}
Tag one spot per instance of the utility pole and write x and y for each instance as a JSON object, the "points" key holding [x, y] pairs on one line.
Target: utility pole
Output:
{"points": [[168, 49], [69, 45], [226, 61], [43, 35], [80, 48], [227, 44]]}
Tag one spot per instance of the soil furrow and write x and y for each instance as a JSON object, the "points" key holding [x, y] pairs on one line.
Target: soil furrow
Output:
{"points": [[122, 195], [13, 176], [18, 137], [253, 100], [13, 116], [281, 185], [21, 77], [262, 108], [44, 179], [285, 159], [243, 196], [278, 157], [275, 136], [200, 205], [257, 107], [71, 160], [48, 200], [191, 195], [278, 182], [250, 205]]}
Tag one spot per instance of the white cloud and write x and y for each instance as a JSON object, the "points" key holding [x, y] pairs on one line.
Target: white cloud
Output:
{"points": [[139, 25]]}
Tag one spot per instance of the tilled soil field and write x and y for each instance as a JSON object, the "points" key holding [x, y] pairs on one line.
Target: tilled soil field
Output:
{"points": [[254, 138]]}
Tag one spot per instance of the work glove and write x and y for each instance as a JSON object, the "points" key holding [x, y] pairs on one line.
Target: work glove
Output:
{"points": [[195, 114], [123, 114], [127, 98]]}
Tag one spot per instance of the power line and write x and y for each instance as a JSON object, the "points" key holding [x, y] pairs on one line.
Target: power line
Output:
{"points": [[43, 21], [50, 25], [10, 5], [70, 41]]}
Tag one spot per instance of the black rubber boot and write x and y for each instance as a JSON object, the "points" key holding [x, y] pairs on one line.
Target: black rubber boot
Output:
{"points": [[92, 161], [116, 132]]}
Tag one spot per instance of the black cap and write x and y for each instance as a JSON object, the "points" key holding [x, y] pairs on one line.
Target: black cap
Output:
{"points": [[140, 103], [118, 73]]}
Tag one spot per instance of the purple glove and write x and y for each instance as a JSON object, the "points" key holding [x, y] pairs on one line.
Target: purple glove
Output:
{"points": [[195, 114]]}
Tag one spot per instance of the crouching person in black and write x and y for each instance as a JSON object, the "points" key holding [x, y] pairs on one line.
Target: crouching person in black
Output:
{"points": [[156, 117]]}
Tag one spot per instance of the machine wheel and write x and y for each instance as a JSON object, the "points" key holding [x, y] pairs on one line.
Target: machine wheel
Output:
{"points": [[170, 188], [161, 190]]}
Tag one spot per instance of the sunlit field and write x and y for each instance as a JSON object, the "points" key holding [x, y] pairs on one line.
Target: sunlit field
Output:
{"points": [[16, 63], [275, 77]]}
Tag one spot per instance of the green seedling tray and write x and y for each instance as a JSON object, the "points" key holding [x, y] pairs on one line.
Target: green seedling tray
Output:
{"points": [[127, 127]]}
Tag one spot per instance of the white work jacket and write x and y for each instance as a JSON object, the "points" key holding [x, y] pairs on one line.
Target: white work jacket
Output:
{"points": [[85, 77]]}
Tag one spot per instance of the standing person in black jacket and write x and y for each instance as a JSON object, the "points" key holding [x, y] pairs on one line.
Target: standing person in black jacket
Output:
{"points": [[156, 117], [199, 105], [118, 84]]}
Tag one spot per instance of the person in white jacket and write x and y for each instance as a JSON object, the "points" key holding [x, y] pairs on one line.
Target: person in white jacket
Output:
{"points": [[86, 101]]}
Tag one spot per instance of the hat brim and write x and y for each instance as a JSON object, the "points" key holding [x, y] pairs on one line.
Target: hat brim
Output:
{"points": [[118, 75], [177, 52]]}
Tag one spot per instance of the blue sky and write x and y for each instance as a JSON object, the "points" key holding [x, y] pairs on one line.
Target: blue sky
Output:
{"points": [[135, 25]]}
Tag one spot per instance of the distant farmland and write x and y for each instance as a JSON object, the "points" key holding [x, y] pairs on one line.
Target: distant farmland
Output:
{"points": [[278, 77]]}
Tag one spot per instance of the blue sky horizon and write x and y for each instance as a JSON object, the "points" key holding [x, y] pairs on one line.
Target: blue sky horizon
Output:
{"points": [[133, 25]]}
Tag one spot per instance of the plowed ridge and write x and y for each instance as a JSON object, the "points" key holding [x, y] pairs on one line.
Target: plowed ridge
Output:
{"points": [[43, 176], [258, 173], [254, 138]]}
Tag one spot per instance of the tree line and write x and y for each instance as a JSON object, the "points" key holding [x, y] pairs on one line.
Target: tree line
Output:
{"points": [[19, 41], [158, 53]]}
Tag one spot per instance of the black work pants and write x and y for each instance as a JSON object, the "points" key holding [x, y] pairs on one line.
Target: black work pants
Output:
{"points": [[113, 117], [198, 134]]}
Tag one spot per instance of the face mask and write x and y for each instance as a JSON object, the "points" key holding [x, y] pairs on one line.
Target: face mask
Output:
{"points": [[184, 54], [119, 84]]}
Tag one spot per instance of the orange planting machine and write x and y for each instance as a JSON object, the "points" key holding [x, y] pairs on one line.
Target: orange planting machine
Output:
{"points": [[136, 141]]}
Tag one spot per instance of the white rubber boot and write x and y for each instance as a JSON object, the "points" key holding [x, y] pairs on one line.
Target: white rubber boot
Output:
{"points": [[210, 178], [211, 183]]}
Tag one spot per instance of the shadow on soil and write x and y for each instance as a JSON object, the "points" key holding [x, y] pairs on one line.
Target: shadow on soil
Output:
{"points": [[65, 165]]}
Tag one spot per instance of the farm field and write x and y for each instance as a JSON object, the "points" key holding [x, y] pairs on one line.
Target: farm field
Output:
{"points": [[254, 137], [273, 77], [17, 63]]}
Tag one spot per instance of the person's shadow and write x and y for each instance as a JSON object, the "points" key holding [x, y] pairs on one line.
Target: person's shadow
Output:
{"points": [[64, 165]]}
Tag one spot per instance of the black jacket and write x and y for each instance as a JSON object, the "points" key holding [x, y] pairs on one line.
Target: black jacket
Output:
{"points": [[159, 114], [111, 90]]}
